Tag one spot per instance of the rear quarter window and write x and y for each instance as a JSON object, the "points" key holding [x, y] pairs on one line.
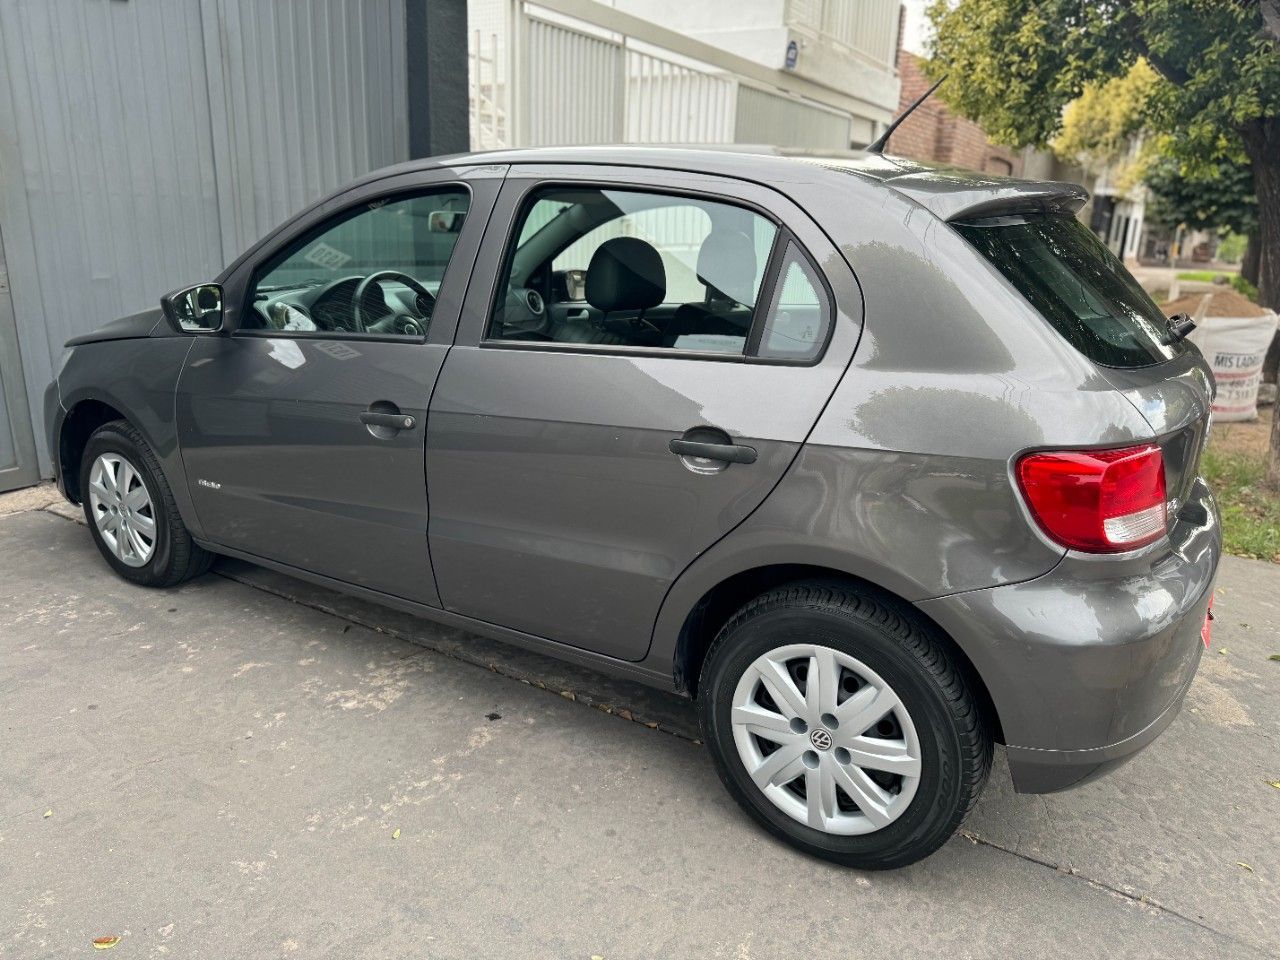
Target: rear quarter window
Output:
{"points": [[1076, 284]]}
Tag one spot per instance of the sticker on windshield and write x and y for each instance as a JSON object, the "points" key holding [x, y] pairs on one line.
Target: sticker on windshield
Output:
{"points": [[323, 255]]}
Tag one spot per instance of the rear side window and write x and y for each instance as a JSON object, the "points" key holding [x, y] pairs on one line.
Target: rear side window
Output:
{"points": [[619, 268], [1077, 284], [796, 325]]}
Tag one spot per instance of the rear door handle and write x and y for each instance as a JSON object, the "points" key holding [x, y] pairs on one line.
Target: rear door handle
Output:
{"points": [[392, 421], [725, 452]]}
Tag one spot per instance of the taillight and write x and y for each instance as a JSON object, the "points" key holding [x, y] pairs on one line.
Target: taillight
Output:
{"points": [[1102, 501]]}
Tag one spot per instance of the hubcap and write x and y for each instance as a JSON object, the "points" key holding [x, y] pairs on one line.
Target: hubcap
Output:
{"points": [[122, 509], [826, 739]]}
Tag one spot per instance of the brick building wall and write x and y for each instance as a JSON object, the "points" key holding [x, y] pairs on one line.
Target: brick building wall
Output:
{"points": [[935, 134]]}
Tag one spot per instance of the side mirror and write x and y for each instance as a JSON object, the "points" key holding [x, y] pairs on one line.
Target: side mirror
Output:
{"points": [[195, 309]]}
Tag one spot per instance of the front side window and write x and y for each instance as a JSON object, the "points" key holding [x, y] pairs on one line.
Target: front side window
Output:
{"points": [[630, 269], [375, 271]]}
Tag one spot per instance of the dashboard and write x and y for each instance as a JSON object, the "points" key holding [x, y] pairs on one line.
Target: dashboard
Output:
{"points": [[388, 305]]}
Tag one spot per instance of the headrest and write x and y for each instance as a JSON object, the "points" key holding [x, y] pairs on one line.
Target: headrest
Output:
{"points": [[626, 273], [727, 264]]}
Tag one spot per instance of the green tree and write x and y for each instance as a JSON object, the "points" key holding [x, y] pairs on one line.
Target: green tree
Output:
{"points": [[1098, 126], [1223, 199], [1218, 87]]}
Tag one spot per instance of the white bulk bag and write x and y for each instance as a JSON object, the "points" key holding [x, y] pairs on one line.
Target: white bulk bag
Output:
{"points": [[1235, 348]]}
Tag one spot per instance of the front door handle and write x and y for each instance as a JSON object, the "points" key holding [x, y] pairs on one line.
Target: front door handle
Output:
{"points": [[725, 452], [389, 421]]}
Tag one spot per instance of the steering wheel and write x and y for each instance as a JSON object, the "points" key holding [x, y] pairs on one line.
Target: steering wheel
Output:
{"points": [[377, 277]]}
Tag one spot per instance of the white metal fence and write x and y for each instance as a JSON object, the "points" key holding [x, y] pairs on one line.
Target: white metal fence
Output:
{"points": [[668, 102], [765, 117], [542, 76]]}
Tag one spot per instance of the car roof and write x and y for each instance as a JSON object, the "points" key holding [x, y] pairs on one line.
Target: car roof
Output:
{"points": [[951, 193]]}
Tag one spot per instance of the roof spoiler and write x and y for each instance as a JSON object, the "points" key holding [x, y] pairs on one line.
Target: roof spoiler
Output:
{"points": [[956, 198]]}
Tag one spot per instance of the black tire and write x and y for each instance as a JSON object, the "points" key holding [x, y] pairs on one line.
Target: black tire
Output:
{"points": [[954, 735], [175, 557]]}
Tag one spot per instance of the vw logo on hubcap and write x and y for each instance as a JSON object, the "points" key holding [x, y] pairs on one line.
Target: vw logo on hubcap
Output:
{"points": [[820, 739]]}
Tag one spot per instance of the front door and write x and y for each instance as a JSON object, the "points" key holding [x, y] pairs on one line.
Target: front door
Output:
{"points": [[302, 432], [655, 351]]}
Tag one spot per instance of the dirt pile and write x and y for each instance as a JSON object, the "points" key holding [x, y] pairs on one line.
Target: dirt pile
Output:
{"points": [[1225, 303]]}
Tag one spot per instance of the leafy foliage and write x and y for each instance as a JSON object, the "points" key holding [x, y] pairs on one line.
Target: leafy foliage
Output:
{"points": [[1243, 287], [1023, 61], [1223, 198], [1098, 126]]}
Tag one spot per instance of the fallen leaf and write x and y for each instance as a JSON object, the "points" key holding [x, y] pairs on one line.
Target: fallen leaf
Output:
{"points": [[1275, 657], [395, 834], [105, 943], [1241, 863], [568, 695], [652, 725], [596, 956], [1274, 783], [1222, 652], [625, 715], [48, 814]]}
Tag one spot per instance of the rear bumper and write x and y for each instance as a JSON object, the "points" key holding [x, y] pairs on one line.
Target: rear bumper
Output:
{"points": [[1045, 771], [1087, 664]]}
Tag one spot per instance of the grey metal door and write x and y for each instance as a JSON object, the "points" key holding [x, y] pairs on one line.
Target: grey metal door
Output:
{"points": [[144, 145], [18, 465], [558, 507]]}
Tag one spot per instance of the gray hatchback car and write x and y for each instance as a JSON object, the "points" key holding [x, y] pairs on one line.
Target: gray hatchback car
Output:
{"points": [[880, 463]]}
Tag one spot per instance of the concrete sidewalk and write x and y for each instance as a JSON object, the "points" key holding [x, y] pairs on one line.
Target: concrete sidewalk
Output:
{"points": [[226, 765]]}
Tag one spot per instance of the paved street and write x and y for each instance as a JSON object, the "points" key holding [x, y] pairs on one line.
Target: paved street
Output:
{"points": [[219, 771]]}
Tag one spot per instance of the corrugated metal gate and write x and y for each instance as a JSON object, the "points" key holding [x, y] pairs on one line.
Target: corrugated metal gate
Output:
{"points": [[145, 143]]}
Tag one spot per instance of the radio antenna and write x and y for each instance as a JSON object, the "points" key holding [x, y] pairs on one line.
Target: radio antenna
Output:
{"points": [[880, 141]]}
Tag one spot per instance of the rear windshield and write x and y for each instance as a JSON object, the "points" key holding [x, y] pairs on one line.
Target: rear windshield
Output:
{"points": [[1077, 284]]}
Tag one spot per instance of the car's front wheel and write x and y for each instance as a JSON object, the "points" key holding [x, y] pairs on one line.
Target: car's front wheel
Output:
{"points": [[130, 510], [843, 726]]}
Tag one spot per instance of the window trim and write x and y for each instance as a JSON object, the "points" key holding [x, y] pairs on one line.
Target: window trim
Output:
{"points": [[781, 239], [299, 240]]}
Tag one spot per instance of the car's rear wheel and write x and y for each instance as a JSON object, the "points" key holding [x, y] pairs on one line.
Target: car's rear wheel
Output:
{"points": [[130, 510], [843, 725]]}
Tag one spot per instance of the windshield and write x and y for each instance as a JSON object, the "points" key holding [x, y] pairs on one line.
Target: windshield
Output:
{"points": [[1076, 284]]}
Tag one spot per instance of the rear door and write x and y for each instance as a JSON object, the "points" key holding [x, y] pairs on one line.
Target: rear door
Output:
{"points": [[302, 431], [582, 452]]}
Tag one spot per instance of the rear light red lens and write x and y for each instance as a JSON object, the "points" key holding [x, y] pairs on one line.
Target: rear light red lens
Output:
{"points": [[1102, 501]]}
